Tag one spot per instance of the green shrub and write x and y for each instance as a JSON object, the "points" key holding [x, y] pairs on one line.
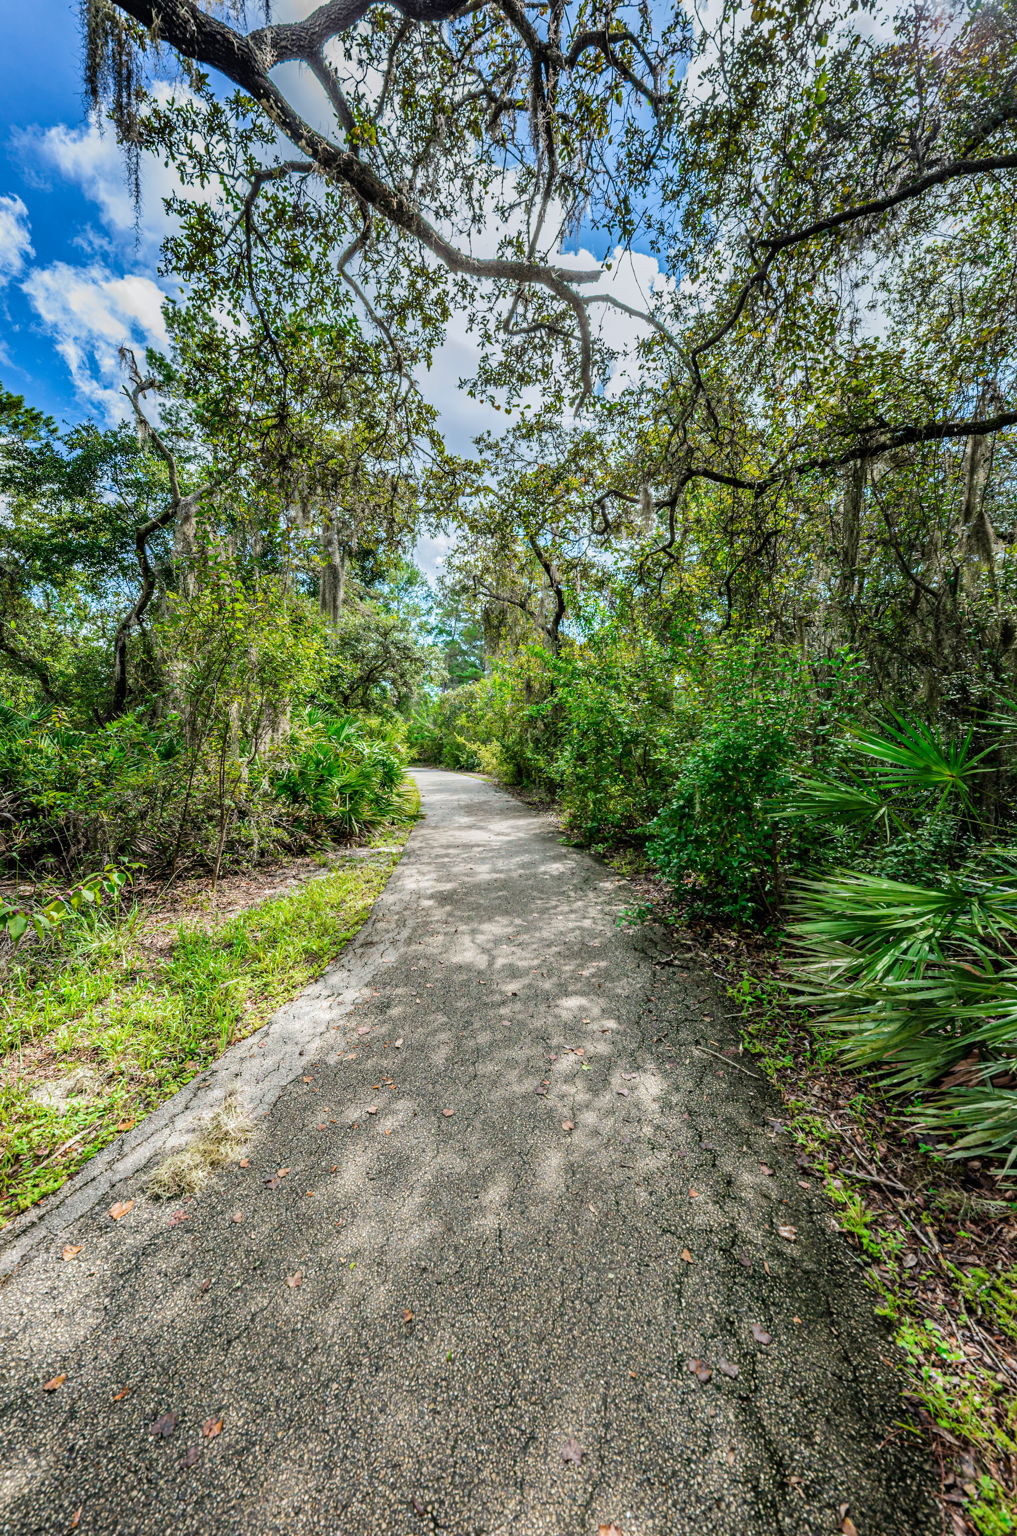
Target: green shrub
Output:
{"points": [[716, 839], [343, 780], [918, 980]]}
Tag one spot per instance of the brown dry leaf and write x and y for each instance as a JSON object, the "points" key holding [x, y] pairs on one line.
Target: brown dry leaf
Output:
{"points": [[571, 1450], [765, 1168], [609, 1530], [177, 1218], [245, 1162], [365, 1029], [790, 1233], [407, 1315], [238, 1215], [373, 1109], [118, 1397], [293, 1281], [760, 1334], [448, 1111], [191, 1456], [120, 1208], [622, 1093], [700, 1370], [211, 1428], [53, 1383], [567, 1125], [126, 1125], [309, 1193], [75, 1519], [308, 1079], [727, 1368], [693, 1194], [848, 1526], [686, 1255], [71, 1250], [164, 1425]]}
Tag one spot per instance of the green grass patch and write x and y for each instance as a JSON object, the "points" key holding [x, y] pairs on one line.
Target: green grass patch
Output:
{"points": [[94, 1037]]}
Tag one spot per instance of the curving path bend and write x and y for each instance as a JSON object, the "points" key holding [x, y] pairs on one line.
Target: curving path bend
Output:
{"points": [[560, 1281]]}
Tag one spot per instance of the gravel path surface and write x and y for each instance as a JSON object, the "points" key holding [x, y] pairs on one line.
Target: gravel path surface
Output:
{"points": [[521, 1202]]}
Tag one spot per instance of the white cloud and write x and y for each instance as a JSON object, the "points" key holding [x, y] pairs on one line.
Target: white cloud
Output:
{"points": [[90, 313], [90, 156], [15, 240]]}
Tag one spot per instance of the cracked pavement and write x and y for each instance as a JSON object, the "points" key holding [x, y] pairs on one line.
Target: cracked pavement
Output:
{"points": [[560, 1281]]}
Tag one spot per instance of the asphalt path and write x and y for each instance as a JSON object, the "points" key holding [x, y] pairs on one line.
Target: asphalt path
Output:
{"points": [[535, 1257]]}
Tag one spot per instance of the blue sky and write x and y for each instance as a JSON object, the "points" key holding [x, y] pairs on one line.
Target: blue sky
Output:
{"points": [[76, 277]]}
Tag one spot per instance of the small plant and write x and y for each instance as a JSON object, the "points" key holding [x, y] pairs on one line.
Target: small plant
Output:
{"points": [[46, 918]]}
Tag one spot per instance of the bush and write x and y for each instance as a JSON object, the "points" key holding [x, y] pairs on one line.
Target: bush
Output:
{"points": [[716, 839], [918, 980], [343, 780]]}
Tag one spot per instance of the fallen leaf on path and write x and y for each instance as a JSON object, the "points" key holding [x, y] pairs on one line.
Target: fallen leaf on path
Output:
{"points": [[790, 1233], [245, 1162], [373, 1109], [120, 1208], [118, 1397], [609, 1530], [365, 1029], [307, 1079], [293, 1281], [760, 1334], [700, 1370], [71, 1250], [75, 1519], [53, 1383], [765, 1168], [567, 1125], [191, 1455], [693, 1194], [126, 1125], [622, 1092], [572, 1450], [177, 1218], [686, 1255], [205, 1285], [407, 1315], [628, 1076], [848, 1527], [277, 1178], [309, 1193], [745, 1259], [238, 1215], [448, 1111], [165, 1424], [399, 1045], [211, 1428], [727, 1368]]}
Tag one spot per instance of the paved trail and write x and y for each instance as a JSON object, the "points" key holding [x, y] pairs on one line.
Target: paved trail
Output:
{"points": [[547, 1270]]}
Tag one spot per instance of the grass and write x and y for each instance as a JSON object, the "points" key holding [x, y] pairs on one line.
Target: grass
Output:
{"points": [[931, 1253], [95, 1035]]}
